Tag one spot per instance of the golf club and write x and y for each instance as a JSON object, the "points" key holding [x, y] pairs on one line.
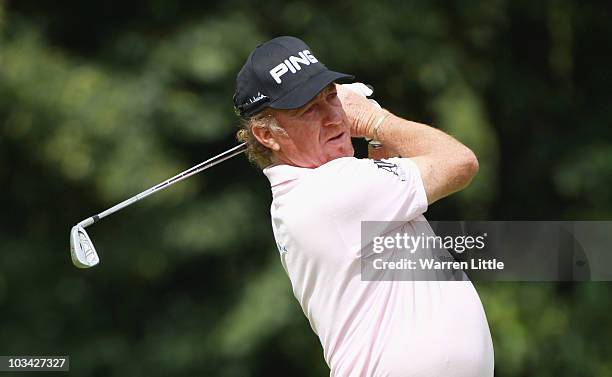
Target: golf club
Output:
{"points": [[82, 249]]}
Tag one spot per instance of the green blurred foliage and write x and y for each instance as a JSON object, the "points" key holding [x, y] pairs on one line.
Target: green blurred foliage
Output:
{"points": [[101, 99]]}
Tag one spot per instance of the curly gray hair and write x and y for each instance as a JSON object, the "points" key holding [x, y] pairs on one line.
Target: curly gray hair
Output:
{"points": [[258, 153]]}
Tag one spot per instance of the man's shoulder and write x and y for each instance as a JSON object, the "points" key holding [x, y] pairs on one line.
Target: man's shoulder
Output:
{"points": [[339, 172], [343, 164], [323, 185], [347, 167]]}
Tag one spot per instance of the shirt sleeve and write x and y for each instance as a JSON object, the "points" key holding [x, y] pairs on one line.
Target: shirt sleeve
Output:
{"points": [[377, 190]]}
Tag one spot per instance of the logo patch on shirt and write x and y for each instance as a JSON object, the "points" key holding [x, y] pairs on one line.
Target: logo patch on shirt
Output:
{"points": [[391, 168]]}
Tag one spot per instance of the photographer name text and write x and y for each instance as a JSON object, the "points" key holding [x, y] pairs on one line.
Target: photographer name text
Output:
{"points": [[433, 264]]}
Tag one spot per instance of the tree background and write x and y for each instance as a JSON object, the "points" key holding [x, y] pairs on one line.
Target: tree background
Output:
{"points": [[102, 99]]}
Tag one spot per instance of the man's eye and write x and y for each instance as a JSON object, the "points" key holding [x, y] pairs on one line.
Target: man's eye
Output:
{"points": [[309, 110], [332, 95]]}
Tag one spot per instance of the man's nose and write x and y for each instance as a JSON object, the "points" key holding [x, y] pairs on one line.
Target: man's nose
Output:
{"points": [[333, 115]]}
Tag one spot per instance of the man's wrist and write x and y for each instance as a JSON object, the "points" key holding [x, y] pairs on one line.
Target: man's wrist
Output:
{"points": [[377, 122]]}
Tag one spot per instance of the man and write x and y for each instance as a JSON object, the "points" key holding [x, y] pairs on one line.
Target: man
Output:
{"points": [[298, 125]]}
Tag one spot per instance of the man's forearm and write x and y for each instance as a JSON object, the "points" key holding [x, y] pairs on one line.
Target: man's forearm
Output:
{"points": [[410, 139], [446, 165]]}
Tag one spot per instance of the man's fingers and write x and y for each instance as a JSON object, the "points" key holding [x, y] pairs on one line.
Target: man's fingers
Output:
{"points": [[359, 111]]}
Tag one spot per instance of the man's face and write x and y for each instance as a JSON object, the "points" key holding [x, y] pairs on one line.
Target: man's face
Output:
{"points": [[317, 133]]}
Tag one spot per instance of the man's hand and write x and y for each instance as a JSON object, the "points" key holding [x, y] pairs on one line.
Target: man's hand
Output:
{"points": [[360, 112]]}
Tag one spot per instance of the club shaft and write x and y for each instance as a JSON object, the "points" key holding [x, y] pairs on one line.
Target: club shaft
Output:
{"points": [[160, 186]]}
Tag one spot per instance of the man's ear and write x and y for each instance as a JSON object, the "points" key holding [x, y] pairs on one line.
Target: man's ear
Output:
{"points": [[265, 136]]}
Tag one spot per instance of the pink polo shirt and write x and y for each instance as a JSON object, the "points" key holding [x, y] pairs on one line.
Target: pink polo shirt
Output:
{"points": [[371, 328]]}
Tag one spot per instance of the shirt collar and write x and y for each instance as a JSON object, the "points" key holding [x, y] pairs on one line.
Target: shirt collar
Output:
{"points": [[279, 174]]}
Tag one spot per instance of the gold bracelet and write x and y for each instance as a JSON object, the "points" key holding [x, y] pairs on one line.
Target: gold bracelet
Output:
{"points": [[379, 123]]}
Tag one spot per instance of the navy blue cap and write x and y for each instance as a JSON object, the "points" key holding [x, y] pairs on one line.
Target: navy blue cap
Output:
{"points": [[282, 73]]}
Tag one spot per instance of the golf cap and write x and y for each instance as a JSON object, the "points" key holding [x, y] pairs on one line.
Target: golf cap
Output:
{"points": [[282, 73]]}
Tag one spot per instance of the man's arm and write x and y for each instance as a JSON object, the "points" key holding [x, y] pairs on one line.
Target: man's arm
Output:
{"points": [[446, 165]]}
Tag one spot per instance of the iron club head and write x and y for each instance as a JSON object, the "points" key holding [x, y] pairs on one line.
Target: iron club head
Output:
{"points": [[82, 249]]}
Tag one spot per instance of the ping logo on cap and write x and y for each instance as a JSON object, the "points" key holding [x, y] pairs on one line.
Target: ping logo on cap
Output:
{"points": [[281, 74], [292, 64]]}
